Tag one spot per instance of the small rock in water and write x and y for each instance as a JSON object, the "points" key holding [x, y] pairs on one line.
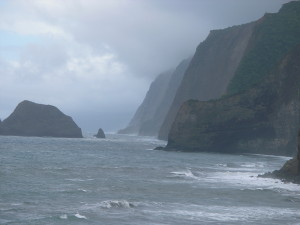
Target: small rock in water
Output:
{"points": [[100, 134]]}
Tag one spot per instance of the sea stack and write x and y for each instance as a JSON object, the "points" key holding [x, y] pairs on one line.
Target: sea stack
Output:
{"points": [[32, 119], [100, 134]]}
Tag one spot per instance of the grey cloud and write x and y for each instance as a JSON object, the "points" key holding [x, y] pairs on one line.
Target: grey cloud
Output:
{"points": [[95, 59], [151, 36]]}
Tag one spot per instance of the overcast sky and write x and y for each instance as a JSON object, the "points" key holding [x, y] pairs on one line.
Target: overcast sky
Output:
{"points": [[95, 59]]}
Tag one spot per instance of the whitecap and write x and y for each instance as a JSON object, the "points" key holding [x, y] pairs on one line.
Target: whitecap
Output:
{"points": [[64, 216], [188, 173], [249, 180], [75, 179], [78, 179], [116, 204], [80, 216]]}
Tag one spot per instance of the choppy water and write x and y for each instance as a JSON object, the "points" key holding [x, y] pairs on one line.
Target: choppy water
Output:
{"points": [[120, 180]]}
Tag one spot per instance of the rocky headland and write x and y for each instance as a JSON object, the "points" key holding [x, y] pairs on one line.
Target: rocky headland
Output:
{"points": [[32, 119], [264, 119], [259, 112]]}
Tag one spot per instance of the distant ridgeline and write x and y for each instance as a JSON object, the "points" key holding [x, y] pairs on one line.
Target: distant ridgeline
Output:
{"points": [[244, 83], [151, 113]]}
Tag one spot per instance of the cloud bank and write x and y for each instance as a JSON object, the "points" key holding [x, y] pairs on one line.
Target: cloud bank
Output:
{"points": [[95, 59]]}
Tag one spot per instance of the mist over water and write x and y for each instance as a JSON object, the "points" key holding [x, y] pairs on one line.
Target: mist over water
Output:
{"points": [[121, 180]]}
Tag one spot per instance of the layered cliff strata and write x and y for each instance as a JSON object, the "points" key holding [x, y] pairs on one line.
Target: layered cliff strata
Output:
{"points": [[32, 119]]}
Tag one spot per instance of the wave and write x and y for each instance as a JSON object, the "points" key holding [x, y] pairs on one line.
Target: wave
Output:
{"points": [[78, 179], [242, 165], [249, 180], [116, 204], [80, 216], [269, 156], [218, 214], [63, 217], [109, 204], [188, 173]]}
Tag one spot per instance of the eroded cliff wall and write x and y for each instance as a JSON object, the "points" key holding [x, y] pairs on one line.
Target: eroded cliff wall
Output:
{"points": [[150, 103], [151, 113], [211, 69], [264, 119]]}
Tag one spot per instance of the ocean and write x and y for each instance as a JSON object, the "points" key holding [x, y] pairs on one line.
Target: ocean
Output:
{"points": [[122, 180]]}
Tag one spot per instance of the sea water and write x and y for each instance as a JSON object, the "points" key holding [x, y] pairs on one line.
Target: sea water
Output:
{"points": [[121, 180]]}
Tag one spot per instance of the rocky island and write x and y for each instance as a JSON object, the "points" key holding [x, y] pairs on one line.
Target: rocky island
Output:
{"points": [[32, 119]]}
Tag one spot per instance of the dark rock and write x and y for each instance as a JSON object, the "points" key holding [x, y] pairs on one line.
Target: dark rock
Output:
{"points": [[32, 119], [100, 134], [263, 119], [235, 59], [211, 69], [159, 148], [290, 172]]}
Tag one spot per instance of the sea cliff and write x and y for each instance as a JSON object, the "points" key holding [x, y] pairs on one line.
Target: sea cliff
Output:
{"points": [[211, 69], [264, 119]]}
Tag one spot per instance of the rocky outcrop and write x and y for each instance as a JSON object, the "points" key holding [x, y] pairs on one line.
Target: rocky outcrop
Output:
{"points": [[290, 172], [100, 134], [264, 119], [211, 69], [32, 119], [151, 113]]}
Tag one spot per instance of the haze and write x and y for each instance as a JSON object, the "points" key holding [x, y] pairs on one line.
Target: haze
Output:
{"points": [[95, 59]]}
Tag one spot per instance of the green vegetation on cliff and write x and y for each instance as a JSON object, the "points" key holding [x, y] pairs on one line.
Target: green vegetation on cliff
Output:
{"points": [[274, 36], [264, 119]]}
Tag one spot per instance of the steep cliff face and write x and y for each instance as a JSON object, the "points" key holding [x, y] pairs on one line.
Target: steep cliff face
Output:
{"points": [[149, 105], [264, 119], [151, 113], [273, 37], [211, 69], [233, 60], [152, 126], [31, 119]]}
